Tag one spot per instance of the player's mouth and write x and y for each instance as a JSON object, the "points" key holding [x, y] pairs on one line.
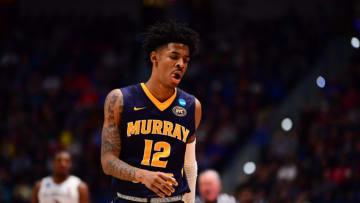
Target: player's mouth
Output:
{"points": [[176, 76]]}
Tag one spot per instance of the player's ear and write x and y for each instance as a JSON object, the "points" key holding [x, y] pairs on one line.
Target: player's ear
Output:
{"points": [[154, 58]]}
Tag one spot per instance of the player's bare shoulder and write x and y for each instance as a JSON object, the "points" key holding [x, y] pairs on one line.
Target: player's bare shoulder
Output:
{"points": [[114, 102], [84, 194], [35, 192]]}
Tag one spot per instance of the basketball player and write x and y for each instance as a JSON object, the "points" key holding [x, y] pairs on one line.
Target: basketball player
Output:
{"points": [[61, 187], [148, 140]]}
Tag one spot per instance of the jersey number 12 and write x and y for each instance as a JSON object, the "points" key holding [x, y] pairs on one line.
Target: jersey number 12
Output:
{"points": [[162, 150]]}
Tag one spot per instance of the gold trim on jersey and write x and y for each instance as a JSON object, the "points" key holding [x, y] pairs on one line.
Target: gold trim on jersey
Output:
{"points": [[160, 105]]}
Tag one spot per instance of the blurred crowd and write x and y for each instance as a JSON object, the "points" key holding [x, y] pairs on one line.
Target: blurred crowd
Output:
{"points": [[250, 67], [318, 160], [56, 70]]}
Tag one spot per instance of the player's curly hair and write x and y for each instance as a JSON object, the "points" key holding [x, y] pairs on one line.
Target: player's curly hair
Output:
{"points": [[162, 33]]}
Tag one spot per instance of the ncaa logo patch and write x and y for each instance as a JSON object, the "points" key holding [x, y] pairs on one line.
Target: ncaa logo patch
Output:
{"points": [[179, 111], [182, 102]]}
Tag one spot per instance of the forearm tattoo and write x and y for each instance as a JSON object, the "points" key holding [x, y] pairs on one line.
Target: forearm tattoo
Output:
{"points": [[121, 169], [111, 142]]}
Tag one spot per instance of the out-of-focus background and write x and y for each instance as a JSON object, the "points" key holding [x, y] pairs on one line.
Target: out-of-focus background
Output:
{"points": [[278, 81]]}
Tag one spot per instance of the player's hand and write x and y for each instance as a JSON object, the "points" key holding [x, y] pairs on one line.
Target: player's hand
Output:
{"points": [[158, 182]]}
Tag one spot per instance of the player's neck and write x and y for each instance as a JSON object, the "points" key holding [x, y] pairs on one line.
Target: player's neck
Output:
{"points": [[60, 179], [158, 90]]}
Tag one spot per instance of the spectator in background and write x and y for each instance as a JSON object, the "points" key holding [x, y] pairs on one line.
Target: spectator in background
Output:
{"points": [[210, 187], [245, 193], [61, 187]]}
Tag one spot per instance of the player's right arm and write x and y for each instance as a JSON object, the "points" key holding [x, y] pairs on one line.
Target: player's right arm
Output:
{"points": [[84, 194], [158, 182], [35, 192]]}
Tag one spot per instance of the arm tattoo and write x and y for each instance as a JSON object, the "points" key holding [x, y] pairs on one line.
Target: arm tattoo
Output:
{"points": [[110, 133], [110, 109], [121, 169], [111, 140], [107, 147]]}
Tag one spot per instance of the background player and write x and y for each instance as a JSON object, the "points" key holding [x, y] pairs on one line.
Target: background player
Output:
{"points": [[61, 187], [149, 128]]}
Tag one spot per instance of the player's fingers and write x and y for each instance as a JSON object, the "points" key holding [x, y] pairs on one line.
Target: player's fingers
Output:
{"points": [[165, 188], [166, 184], [157, 191], [169, 179], [169, 187]]}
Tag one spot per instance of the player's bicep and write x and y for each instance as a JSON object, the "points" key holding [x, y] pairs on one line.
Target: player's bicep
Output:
{"points": [[111, 142], [83, 193], [35, 193], [191, 139]]}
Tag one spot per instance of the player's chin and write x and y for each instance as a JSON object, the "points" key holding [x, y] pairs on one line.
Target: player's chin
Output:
{"points": [[172, 85], [64, 172]]}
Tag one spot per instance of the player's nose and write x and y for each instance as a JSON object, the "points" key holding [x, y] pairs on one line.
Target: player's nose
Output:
{"points": [[180, 64]]}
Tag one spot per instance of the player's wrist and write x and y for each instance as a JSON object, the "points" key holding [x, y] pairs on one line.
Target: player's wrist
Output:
{"points": [[140, 175]]}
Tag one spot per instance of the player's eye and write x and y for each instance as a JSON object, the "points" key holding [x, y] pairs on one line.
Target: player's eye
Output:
{"points": [[174, 57]]}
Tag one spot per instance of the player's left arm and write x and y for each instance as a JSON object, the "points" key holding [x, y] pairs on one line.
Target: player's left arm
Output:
{"points": [[35, 193], [84, 194], [190, 164]]}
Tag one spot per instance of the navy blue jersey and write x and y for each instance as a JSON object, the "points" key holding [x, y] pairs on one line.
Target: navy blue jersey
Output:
{"points": [[154, 136]]}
